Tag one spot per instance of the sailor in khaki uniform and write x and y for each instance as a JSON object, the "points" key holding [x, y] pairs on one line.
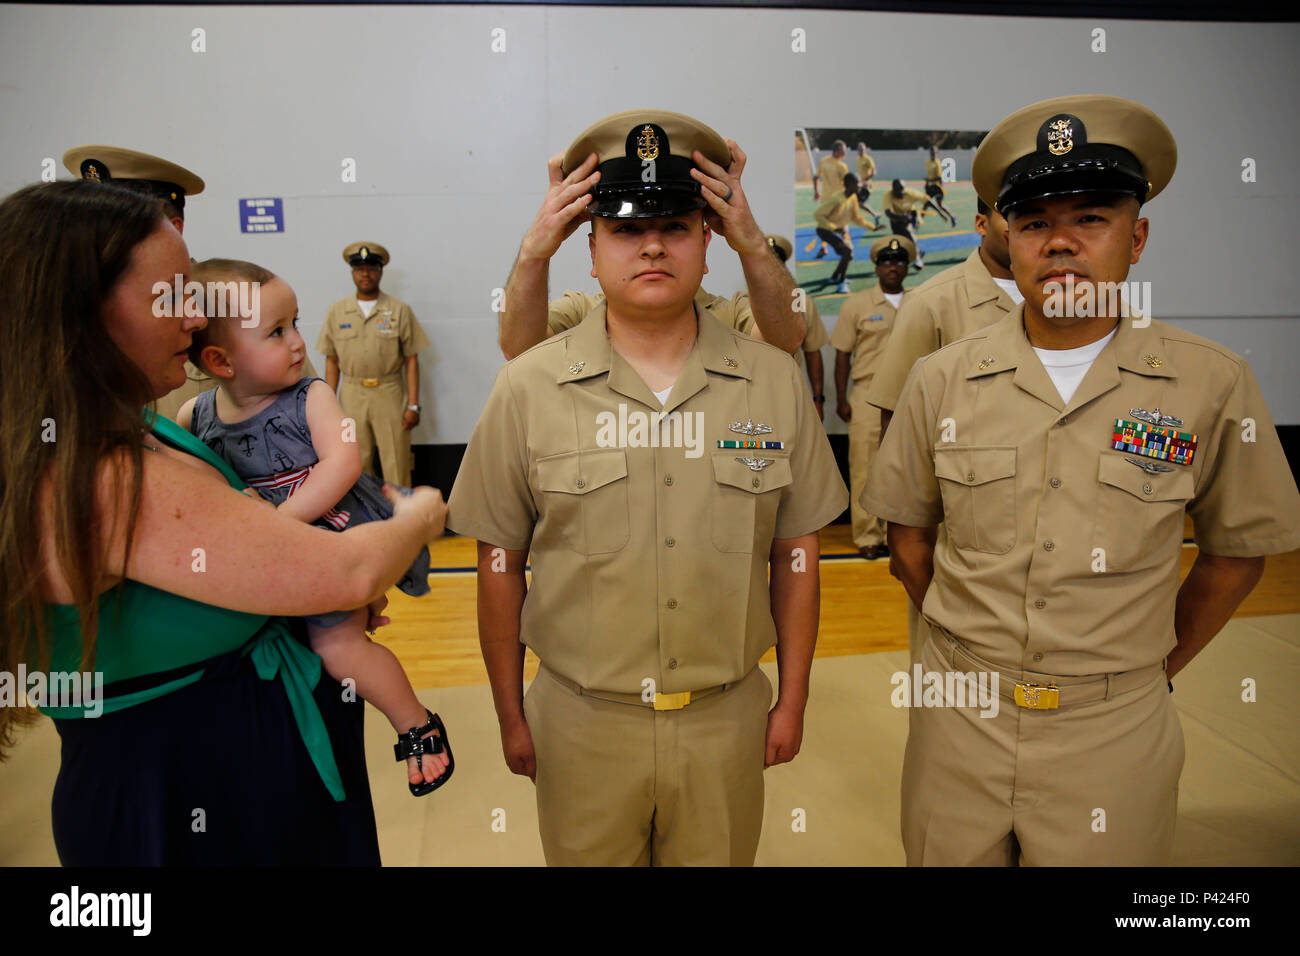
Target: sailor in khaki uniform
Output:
{"points": [[816, 338], [865, 324], [143, 173], [1062, 446], [655, 463], [944, 308], [372, 341], [948, 306]]}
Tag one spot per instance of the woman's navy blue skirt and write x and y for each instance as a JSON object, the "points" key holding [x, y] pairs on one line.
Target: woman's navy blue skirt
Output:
{"points": [[214, 774]]}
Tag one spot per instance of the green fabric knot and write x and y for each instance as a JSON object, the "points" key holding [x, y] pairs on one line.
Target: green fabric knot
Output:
{"points": [[274, 652]]}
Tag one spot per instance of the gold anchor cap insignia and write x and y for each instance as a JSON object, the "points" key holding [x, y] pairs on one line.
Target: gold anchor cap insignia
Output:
{"points": [[92, 173], [576, 367], [1152, 360], [647, 144], [1060, 137]]}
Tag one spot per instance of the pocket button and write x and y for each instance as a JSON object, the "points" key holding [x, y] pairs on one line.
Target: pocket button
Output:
{"points": [[1049, 546]]}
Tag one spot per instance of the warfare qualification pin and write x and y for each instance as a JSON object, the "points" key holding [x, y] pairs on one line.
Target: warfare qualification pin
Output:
{"points": [[647, 144], [749, 428], [755, 464]]}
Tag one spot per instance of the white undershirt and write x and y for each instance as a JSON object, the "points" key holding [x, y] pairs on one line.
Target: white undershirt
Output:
{"points": [[1067, 367], [663, 396], [1010, 288], [893, 298], [367, 306]]}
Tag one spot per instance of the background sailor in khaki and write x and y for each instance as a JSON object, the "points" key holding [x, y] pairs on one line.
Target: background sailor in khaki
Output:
{"points": [[143, 173], [372, 341], [648, 728], [944, 308], [1060, 568], [865, 324], [816, 337], [948, 306]]}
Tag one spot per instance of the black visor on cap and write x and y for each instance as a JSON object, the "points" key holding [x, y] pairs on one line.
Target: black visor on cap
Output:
{"points": [[93, 170], [780, 253], [647, 181], [893, 255], [1064, 163]]}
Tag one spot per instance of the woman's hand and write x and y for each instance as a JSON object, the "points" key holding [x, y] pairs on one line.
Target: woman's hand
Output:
{"points": [[425, 502]]}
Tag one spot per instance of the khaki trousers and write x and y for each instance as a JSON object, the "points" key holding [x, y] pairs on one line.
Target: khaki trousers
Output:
{"points": [[1091, 784], [864, 437], [622, 784], [378, 415]]}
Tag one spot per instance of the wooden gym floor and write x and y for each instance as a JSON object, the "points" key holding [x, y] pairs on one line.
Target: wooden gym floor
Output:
{"points": [[863, 609]]}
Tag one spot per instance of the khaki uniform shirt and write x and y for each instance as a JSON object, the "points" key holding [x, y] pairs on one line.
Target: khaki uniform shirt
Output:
{"points": [[866, 169], [1061, 556], [933, 171], [816, 336], [902, 205], [946, 307], [831, 172], [649, 560], [371, 347], [837, 210], [572, 307], [865, 322]]}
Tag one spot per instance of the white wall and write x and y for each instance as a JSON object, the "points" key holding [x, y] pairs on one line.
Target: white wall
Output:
{"points": [[451, 138]]}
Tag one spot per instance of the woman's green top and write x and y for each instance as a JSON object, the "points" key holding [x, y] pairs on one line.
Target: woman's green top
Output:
{"points": [[143, 630]]}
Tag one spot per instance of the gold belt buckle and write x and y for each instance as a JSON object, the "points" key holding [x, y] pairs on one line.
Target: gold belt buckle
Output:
{"points": [[672, 701], [1038, 697], [370, 382]]}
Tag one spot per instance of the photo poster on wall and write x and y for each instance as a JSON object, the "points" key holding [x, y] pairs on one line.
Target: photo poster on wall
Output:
{"points": [[944, 233]]}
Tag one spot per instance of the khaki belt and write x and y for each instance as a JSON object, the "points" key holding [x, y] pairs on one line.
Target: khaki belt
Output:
{"points": [[1034, 691], [660, 702], [371, 382]]}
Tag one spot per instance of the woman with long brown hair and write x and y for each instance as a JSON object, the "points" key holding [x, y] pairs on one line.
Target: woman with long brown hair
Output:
{"points": [[126, 548]]}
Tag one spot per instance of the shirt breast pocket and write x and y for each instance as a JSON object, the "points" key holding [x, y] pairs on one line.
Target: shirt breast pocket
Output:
{"points": [[1139, 515], [745, 501], [978, 483], [585, 493]]}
